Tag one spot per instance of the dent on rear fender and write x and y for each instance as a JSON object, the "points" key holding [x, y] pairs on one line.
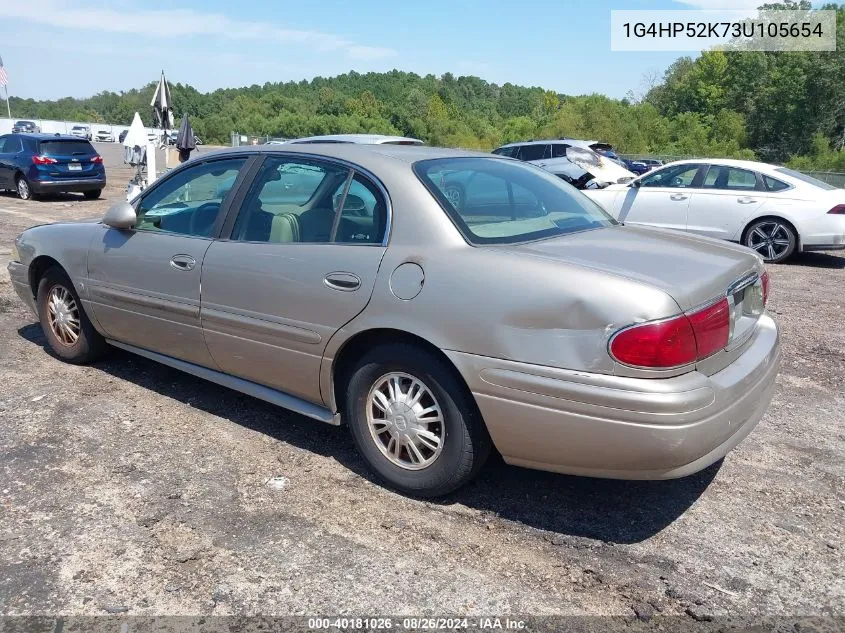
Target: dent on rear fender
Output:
{"points": [[574, 334]]}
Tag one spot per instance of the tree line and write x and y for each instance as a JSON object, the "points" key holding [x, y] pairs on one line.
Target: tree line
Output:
{"points": [[778, 107]]}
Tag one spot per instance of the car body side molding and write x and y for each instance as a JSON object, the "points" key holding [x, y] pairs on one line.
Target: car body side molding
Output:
{"points": [[278, 398]]}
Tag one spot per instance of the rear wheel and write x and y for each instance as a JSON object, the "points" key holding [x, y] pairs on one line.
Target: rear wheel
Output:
{"points": [[413, 422], [773, 239], [23, 188], [92, 195], [67, 328]]}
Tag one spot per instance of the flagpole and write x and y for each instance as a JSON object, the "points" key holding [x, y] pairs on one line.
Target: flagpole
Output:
{"points": [[8, 107]]}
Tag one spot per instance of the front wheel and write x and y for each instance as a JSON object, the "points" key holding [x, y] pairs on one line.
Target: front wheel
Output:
{"points": [[773, 239], [66, 327], [413, 422], [92, 195]]}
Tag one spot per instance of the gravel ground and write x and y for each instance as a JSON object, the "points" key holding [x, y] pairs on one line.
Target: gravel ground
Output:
{"points": [[128, 486]]}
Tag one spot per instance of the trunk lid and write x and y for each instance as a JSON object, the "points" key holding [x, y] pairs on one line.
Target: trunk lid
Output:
{"points": [[691, 269]]}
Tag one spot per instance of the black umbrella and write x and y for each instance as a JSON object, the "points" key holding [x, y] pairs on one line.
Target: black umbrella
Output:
{"points": [[185, 141], [163, 105]]}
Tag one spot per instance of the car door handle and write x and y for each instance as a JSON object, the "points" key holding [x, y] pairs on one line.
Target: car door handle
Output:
{"points": [[746, 200], [678, 196], [346, 282], [183, 262]]}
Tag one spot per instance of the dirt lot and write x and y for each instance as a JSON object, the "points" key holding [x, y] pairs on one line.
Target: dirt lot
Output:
{"points": [[130, 486]]}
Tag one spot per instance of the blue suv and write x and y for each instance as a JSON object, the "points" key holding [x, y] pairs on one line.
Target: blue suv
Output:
{"points": [[32, 164]]}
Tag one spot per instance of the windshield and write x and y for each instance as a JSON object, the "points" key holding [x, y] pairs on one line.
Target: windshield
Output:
{"points": [[494, 201], [805, 178]]}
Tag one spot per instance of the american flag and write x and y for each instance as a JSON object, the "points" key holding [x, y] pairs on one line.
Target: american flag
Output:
{"points": [[4, 76]]}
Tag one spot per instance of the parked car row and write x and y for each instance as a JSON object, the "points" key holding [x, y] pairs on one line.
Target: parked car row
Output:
{"points": [[344, 282]]}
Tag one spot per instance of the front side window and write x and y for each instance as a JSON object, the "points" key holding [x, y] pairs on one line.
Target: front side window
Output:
{"points": [[675, 176], [189, 202], [506, 151], [730, 178], [297, 200], [507, 202]]}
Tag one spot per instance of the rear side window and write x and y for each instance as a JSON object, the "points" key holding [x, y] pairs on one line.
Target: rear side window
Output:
{"points": [[506, 151], [559, 150], [10, 145], [730, 178], [533, 152], [66, 148], [807, 179], [773, 184]]}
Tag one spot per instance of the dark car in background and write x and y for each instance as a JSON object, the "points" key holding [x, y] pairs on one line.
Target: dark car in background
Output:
{"points": [[25, 127], [638, 167], [32, 164]]}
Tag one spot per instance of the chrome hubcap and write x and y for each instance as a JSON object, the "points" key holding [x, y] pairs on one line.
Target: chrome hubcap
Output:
{"points": [[770, 239], [23, 189], [405, 421], [63, 315]]}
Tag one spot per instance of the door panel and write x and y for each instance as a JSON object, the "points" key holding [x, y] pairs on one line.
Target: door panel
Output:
{"points": [[727, 196], [144, 283], [662, 198], [140, 298], [657, 206], [268, 312], [302, 261]]}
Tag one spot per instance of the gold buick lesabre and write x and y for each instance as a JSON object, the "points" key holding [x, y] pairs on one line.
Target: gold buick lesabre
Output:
{"points": [[343, 282]]}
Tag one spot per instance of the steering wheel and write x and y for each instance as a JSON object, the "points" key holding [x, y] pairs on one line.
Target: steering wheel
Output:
{"points": [[202, 219]]}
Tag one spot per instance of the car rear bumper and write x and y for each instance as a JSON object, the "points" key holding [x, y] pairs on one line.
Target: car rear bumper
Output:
{"points": [[19, 274], [67, 184], [622, 428]]}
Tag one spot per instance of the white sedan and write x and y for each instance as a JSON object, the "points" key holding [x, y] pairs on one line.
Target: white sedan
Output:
{"points": [[774, 210]]}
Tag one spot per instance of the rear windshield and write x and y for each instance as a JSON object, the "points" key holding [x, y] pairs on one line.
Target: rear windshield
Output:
{"points": [[66, 148], [805, 178], [495, 201]]}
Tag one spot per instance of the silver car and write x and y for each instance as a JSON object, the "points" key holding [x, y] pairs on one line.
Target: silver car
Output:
{"points": [[339, 281]]}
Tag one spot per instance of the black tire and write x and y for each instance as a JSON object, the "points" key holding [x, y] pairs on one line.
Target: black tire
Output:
{"points": [[89, 344], [465, 441], [92, 195], [23, 188], [772, 238]]}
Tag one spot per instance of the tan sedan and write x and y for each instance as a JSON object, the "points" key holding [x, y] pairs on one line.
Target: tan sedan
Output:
{"points": [[340, 281]]}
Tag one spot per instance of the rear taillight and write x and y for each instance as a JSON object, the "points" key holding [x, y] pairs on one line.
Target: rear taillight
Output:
{"points": [[668, 343], [839, 209], [712, 327], [97, 159], [764, 281], [44, 160], [678, 341]]}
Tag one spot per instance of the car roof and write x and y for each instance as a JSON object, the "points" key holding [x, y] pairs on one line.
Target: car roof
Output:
{"points": [[43, 136], [568, 141], [370, 157], [367, 139], [730, 162]]}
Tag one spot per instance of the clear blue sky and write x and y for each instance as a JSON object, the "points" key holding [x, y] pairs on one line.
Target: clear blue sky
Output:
{"points": [[80, 47]]}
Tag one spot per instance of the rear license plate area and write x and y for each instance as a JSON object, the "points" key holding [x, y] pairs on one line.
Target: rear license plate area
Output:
{"points": [[74, 167]]}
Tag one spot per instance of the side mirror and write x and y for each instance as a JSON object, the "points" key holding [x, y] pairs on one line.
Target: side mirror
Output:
{"points": [[636, 184], [120, 215]]}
